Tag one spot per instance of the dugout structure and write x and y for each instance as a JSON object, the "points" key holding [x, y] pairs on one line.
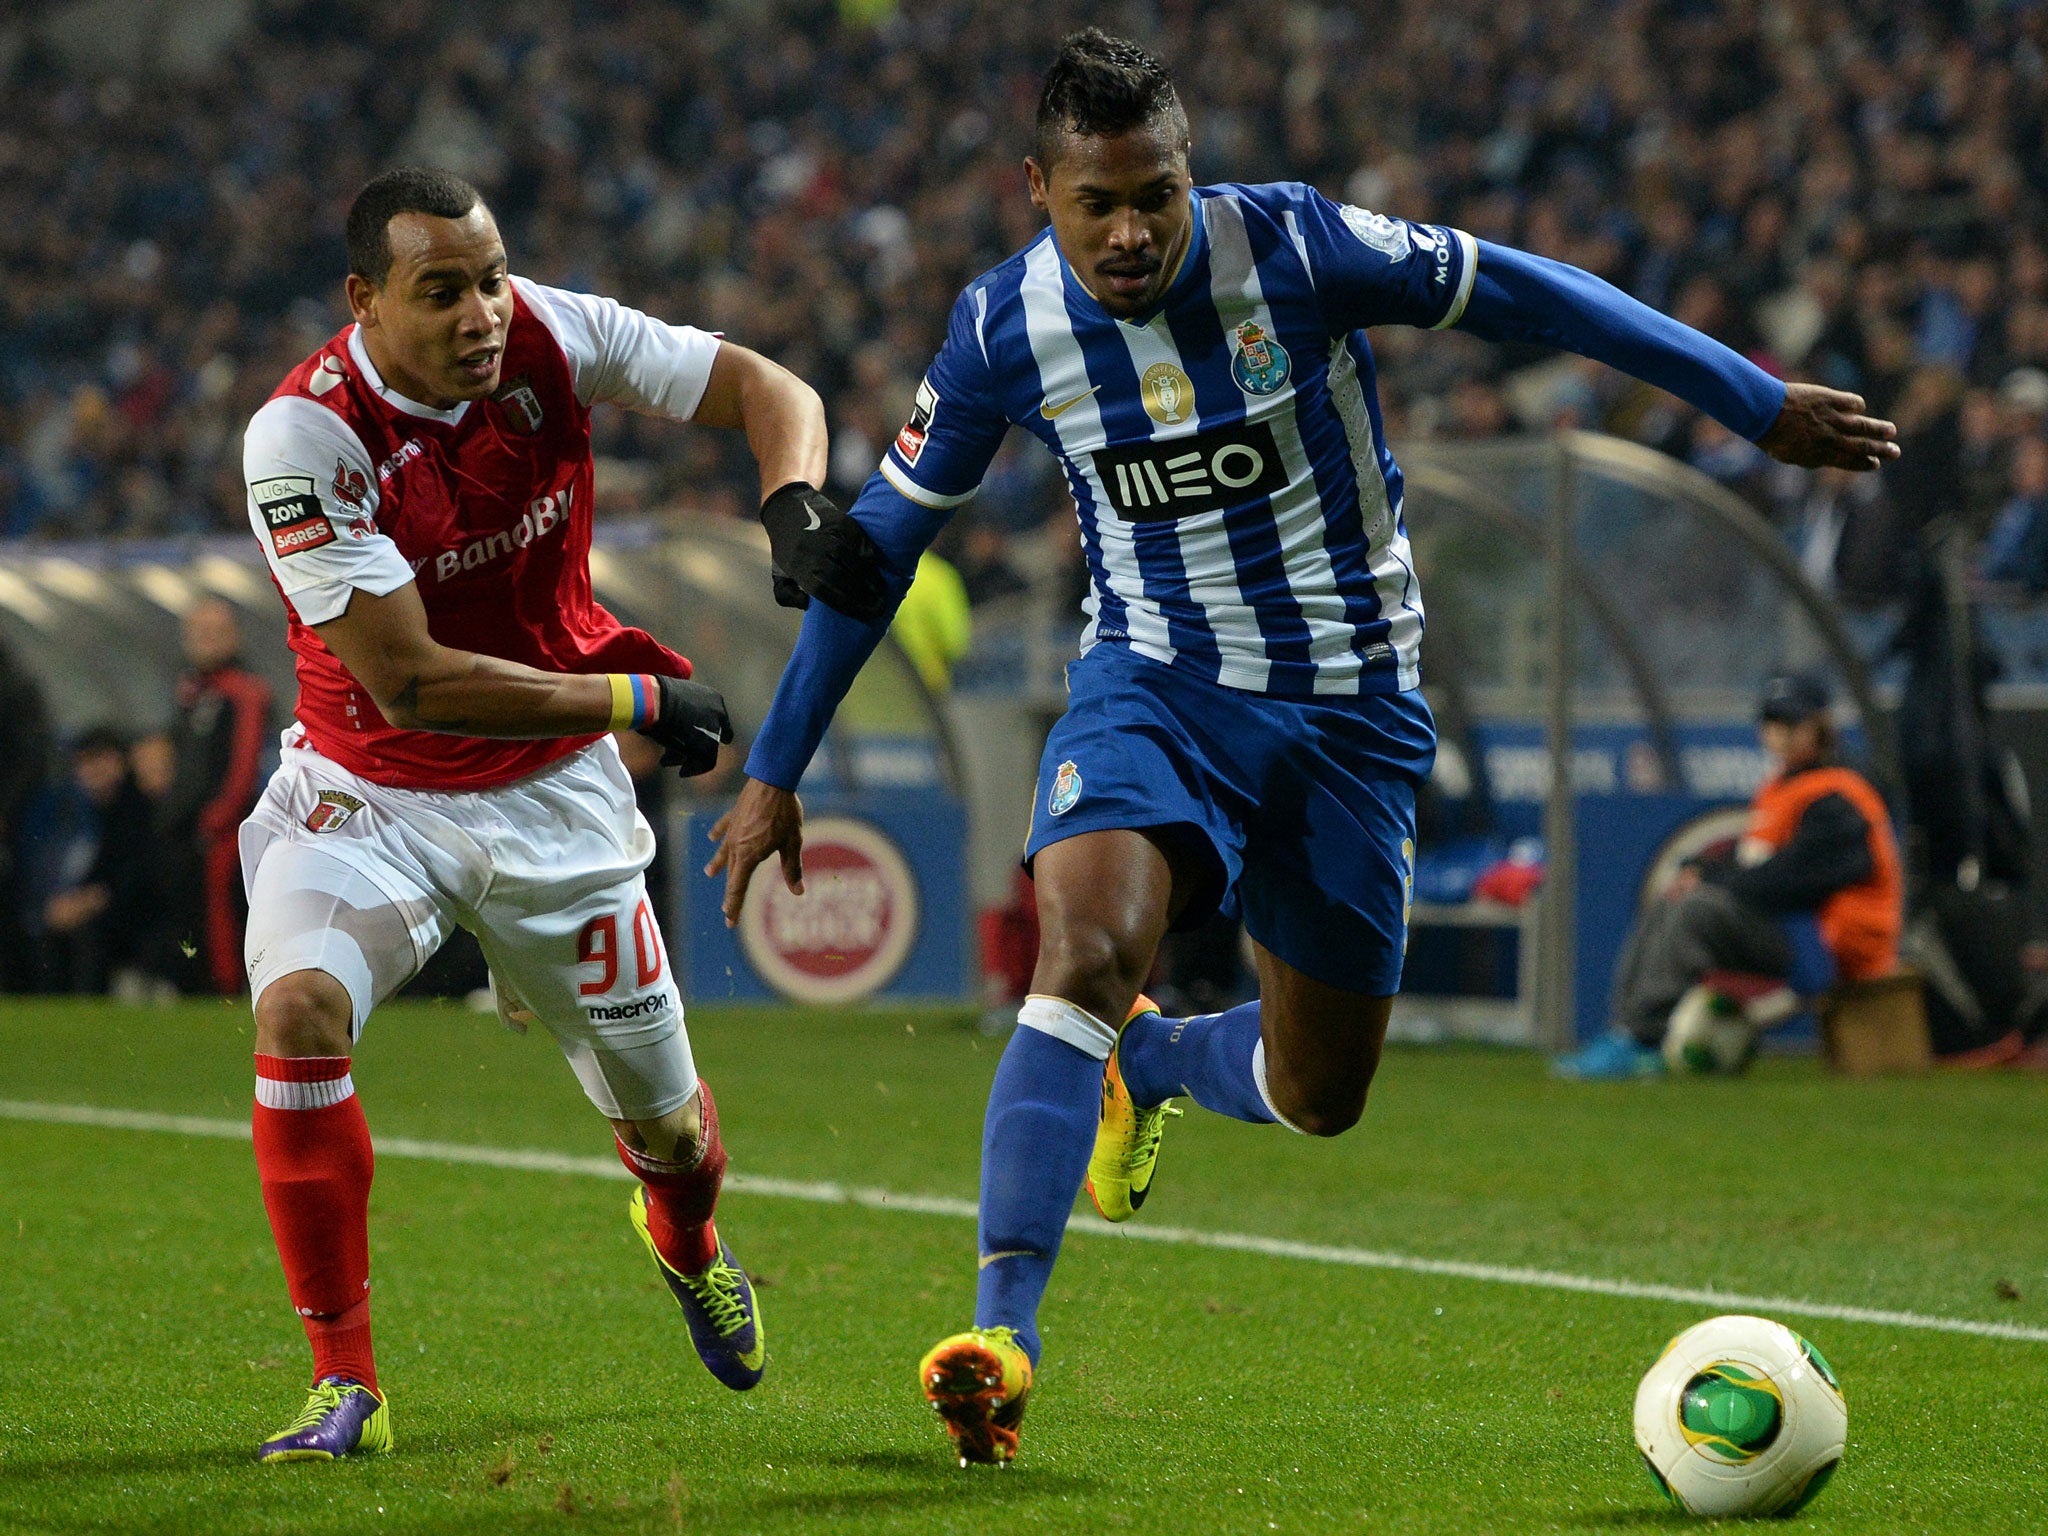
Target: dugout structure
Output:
{"points": [[95, 627]]}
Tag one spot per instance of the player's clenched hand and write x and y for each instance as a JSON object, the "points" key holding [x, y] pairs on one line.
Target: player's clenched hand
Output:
{"points": [[822, 552], [766, 821], [689, 727], [1825, 428]]}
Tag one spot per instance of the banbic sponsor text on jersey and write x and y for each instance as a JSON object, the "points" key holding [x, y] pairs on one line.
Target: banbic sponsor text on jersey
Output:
{"points": [[1240, 512]]}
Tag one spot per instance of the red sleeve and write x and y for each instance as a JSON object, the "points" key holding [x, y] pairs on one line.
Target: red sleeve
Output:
{"points": [[248, 697]]}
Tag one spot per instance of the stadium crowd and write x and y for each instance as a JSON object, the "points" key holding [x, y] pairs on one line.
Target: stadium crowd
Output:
{"points": [[1850, 192]]}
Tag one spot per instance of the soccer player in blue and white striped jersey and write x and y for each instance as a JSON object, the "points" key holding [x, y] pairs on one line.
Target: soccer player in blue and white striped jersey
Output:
{"points": [[1244, 727]]}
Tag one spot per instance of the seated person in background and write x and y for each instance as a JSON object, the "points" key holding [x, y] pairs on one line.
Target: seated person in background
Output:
{"points": [[1819, 848], [97, 865]]}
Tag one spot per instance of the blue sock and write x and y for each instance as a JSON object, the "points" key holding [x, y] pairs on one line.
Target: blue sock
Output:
{"points": [[1208, 1058], [1042, 1110]]}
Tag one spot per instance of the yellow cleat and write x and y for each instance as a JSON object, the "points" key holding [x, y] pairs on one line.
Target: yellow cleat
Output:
{"points": [[977, 1382], [1126, 1139]]}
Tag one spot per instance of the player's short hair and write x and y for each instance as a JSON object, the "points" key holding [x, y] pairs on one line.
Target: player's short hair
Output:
{"points": [[408, 189], [1100, 86]]}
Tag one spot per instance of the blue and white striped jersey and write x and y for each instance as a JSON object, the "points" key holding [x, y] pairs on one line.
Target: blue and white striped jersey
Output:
{"points": [[1239, 509]]}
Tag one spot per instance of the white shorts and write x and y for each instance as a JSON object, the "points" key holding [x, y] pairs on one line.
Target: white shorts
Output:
{"points": [[365, 882]]}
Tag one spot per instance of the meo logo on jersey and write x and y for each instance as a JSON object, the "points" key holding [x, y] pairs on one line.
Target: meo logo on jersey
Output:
{"points": [[1223, 467], [910, 441], [291, 513]]}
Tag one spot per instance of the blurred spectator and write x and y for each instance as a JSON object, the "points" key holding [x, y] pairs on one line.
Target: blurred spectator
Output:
{"points": [[933, 624], [24, 766], [97, 870], [980, 553], [217, 746], [2017, 550], [1814, 885], [1852, 193]]}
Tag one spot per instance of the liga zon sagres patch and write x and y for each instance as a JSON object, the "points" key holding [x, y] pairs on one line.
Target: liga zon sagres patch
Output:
{"points": [[291, 513]]}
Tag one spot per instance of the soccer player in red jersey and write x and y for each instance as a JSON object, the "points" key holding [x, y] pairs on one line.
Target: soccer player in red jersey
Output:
{"points": [[421, 486]]}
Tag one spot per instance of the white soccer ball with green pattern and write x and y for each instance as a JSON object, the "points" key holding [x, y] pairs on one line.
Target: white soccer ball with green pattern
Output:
{"points": [[1740, 1416], [1709, 1033]]}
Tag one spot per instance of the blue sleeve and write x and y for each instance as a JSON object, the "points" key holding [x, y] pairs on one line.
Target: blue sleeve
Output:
{"points": [[935, 464], [1371, 269], [831, 648], [956, 425], [1520, 297]]}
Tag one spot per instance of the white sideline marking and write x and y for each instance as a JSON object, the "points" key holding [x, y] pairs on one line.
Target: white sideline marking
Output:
{"points": [[822, 1193]]}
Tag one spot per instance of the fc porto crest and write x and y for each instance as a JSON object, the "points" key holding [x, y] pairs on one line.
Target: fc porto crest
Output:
{"points": [[521, 405], [1262, 364], [1066, 789], [332, 809]]}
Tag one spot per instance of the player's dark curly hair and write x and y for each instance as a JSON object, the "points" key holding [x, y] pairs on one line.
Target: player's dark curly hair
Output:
{"points": [[408, 189], [1101, 85]]}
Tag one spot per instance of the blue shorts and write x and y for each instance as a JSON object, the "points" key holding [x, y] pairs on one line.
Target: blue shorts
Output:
{"points": [[1301, 810]]}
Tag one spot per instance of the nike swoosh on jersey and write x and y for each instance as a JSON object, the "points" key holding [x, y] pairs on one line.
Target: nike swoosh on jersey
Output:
{"points": [[1049, 411], [815, 523]]}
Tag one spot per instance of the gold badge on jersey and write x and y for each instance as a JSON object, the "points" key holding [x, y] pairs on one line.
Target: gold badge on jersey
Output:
{"points": [[1168, 393], [521, 404]]}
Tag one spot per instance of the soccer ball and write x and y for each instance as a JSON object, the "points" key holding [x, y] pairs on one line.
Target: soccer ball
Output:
{"points": [[1709, 1033], [1740, 1416]]}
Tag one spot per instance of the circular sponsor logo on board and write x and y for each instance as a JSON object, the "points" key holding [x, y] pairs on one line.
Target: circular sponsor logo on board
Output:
{"points": [[851, 931]]}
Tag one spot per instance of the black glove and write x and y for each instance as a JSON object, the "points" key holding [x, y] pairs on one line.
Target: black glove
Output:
{"points": [[821, 552], [690, 727]]}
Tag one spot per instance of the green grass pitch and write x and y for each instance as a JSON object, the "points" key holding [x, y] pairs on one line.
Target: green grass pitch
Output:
{"points": [[541, 1379]]}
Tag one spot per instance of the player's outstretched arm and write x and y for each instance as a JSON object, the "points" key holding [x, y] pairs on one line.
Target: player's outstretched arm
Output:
{"points": [[819, 550], [421, 685], [765, 822], [1520, 297], [1821, 428], [831, 649], [680, 373], [782, 415]]}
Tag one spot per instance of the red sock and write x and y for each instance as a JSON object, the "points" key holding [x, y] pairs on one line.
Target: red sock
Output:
{"points": [[313, 1156], [682, 1196]]}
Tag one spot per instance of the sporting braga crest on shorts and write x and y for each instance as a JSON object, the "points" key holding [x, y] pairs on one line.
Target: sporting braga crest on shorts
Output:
{"points": [[1066, 789], [334, 807]]}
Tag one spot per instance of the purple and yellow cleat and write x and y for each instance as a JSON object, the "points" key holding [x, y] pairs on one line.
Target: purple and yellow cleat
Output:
{"points": [[341, 1418], [719, 1305]]}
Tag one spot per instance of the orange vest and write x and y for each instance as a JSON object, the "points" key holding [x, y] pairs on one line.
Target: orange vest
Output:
{"points": [[1859, 923]]}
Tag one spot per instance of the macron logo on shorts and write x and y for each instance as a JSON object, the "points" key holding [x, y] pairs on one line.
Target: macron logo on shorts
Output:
{"points": [[646, 1007]]}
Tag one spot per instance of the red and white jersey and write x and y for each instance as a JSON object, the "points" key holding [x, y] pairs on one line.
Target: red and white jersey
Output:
{"points": [[485, 506]]}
